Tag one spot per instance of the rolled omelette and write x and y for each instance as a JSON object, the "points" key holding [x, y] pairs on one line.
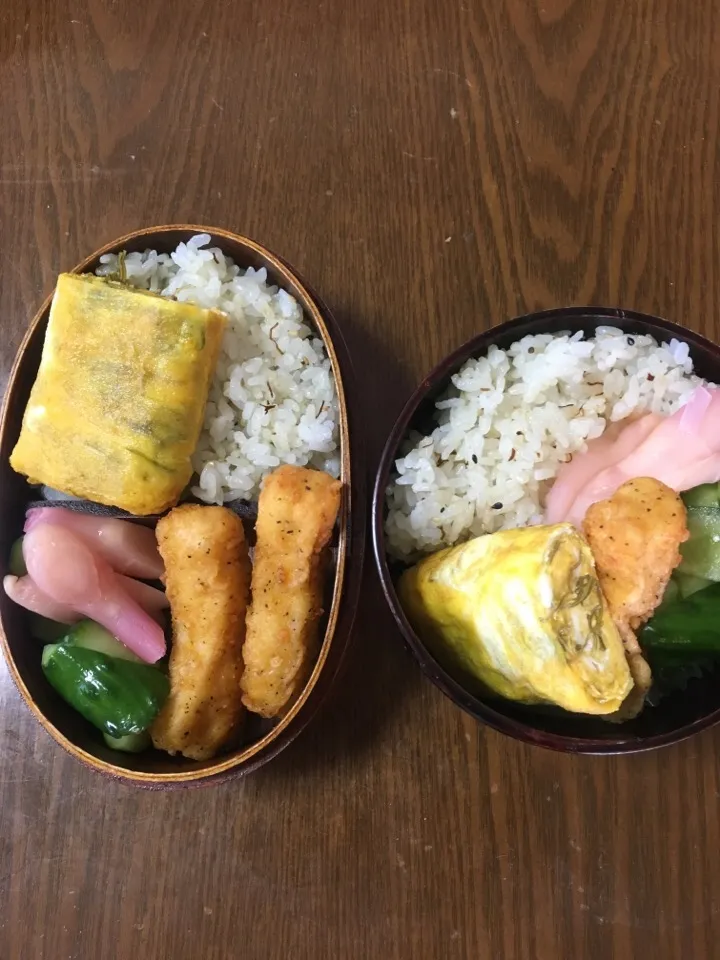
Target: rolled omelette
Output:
{"points": [[117, 407], [522, 611]]}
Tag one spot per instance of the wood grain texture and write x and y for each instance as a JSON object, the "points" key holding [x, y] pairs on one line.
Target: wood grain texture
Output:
{"points": [[432, 168]]}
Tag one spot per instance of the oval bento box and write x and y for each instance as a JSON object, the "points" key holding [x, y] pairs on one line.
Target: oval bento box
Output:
{"points": [[676, 716], [262, 742]]}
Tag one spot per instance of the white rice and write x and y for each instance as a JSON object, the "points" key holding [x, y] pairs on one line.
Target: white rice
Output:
{"points": [[273, 398], [508, 422]]}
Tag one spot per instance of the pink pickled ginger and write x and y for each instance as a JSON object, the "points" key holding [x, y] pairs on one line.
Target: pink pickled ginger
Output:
{"points": [[682, 451]]}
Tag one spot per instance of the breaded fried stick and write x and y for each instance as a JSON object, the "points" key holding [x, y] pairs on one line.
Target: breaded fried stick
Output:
{"points": [[635, 537], [208, 579], [296, 514]]}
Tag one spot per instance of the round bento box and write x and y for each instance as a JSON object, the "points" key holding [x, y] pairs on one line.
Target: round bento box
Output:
{"points": [[676, 715]]}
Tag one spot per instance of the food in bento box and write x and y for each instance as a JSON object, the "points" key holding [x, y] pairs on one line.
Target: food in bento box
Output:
{"points": [[635, 537], [118, 403], [522, 611], [130, 548], [612, 436], [65, 569], [106, 683], [273, 398], [296, 515], [119, 415], [207, 574]]}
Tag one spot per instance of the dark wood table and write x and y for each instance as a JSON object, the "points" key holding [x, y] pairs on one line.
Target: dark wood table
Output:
{"points": [[432, 168]]}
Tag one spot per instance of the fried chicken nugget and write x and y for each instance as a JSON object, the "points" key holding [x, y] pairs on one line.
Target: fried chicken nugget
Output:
{"points": [[208, 579], [296, 514], [635, 537]]}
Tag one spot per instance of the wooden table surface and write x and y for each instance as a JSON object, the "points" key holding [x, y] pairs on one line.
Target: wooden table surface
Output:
{"points": [[433, 169]]}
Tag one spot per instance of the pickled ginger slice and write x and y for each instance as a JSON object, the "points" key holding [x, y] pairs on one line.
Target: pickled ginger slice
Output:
{"points": [[522, 611], [119, 399], [613, 445], [682, 451]]}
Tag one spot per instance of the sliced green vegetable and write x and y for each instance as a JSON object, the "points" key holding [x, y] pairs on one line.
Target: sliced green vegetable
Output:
{"points": [[704, 521], [701, 553], [706, 495], [673, 671], [130, 743], [691, 625], [16, 562], [117, 696], [672, 591], [687, 584], [91, 636]]}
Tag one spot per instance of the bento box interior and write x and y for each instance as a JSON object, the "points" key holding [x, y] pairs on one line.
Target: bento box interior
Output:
{"points": [[676, 712], [15, 494]]}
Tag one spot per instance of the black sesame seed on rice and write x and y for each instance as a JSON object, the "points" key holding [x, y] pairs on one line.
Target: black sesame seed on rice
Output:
{"points": [[544, 430]]}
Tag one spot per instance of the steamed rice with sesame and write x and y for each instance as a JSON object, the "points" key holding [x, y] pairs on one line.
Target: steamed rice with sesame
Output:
{"points": [[273, 398], [508, 422]]}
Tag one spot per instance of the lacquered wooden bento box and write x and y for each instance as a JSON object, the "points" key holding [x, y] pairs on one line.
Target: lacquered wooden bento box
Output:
{"points": [[262, 740]]}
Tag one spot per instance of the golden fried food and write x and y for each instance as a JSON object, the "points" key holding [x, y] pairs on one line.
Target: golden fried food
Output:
{"points": [[208, 579], [118, 403], [635, 537], [296, 515]]}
